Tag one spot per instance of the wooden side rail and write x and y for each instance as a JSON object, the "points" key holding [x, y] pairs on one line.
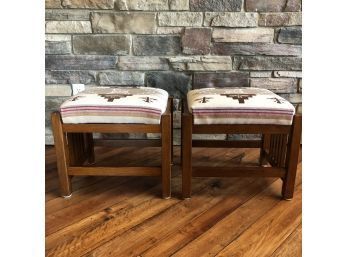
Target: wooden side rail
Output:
{"points": [[237, 172], [114, 171], [227, 144], [128, 142]]}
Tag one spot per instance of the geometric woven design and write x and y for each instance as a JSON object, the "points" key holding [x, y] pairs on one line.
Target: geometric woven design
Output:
{"points": [[143, 105], [239, 106]]}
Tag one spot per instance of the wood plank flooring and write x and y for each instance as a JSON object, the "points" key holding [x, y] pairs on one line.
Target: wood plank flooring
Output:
{"points": [[126, 216]]}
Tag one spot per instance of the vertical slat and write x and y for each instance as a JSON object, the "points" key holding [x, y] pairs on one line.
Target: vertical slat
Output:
{"points": [[62, 152], [166, 154], [81, 146], [271, 148], [186, 144], [71, 141], [282, 150], [277, 149], [90, 148], [262, 151], [76, 148], [292, 159]]}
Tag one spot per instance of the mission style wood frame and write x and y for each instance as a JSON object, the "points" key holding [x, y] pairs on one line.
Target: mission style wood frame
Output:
{"points": [[74, 145], [279, 146]]}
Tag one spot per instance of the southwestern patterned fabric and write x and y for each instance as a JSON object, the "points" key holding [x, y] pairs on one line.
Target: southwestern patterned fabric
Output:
{"points": [[239, 106], [116, 105]]}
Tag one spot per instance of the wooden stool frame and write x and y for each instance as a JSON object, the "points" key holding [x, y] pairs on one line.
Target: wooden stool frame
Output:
{"points": [[280, 145], [74, 145]]}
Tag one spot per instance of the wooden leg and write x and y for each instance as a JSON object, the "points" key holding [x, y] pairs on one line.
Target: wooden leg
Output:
{"points": [[62, 153], [292, 158], [90, 148], [171, 134], [186, 144], [166, 154]]}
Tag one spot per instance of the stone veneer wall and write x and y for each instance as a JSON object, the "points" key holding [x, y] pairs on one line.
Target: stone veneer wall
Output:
{"points": [[176, 45]]}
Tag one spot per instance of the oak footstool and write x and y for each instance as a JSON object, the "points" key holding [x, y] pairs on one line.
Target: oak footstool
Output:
{"points": [[242, 111], [111, 110]]}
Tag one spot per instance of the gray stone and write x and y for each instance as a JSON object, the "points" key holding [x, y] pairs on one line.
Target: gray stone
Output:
{"points": [[264, 35], [293, 6], [228, 19], [156, 45], [170, 30], [52, 103], [80, 62], [70, 77], [176, 137], [287, 74], [300, 86], [276, 85], [196, 41], [141, 5], [58, 44], [260, 74], [142, 63], [101, 44], [225, 79], [124, 22], [65, 15], [68, 27], [216, 5], [179, 5], [53, 4], [292, 98], [126, 78], [176, 119], [177, 104], [48, 136], [273, 5], [177, 84], [267, 63], [201, 63], [58, 90], [256, 49], [280, 19], [123, 136], [89, 4], [232, 137], [209, 136], [290, 35], [177, 19]]}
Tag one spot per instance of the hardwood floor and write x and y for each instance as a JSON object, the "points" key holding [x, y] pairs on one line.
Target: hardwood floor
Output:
{"points": [[126, 216]]}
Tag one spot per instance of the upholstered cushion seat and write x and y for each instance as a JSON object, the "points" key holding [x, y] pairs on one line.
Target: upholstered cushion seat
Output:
{"points": [[239, 106], [116, 105]]}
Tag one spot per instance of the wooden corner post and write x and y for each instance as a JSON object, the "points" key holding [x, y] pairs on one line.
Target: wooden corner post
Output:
{"points": [[61, 147], [292, 158], [166, 137], [186, 144]]}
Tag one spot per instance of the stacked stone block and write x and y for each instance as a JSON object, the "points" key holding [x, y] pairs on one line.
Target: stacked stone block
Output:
{"points": [[176, 45]]}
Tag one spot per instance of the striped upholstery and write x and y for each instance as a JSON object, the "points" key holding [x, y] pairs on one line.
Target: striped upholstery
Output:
{"points": [[239, 106], [116, 105]]}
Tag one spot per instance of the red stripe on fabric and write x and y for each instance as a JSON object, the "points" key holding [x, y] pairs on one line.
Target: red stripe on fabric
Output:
{"points": [[244, 112], [80, 109]]}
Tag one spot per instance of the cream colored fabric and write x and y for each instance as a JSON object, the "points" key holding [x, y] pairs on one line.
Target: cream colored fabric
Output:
{"points": [[116, 105], [239, 106]]}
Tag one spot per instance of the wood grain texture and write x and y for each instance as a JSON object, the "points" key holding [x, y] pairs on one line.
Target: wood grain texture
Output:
{"points": [[124, 216]]}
